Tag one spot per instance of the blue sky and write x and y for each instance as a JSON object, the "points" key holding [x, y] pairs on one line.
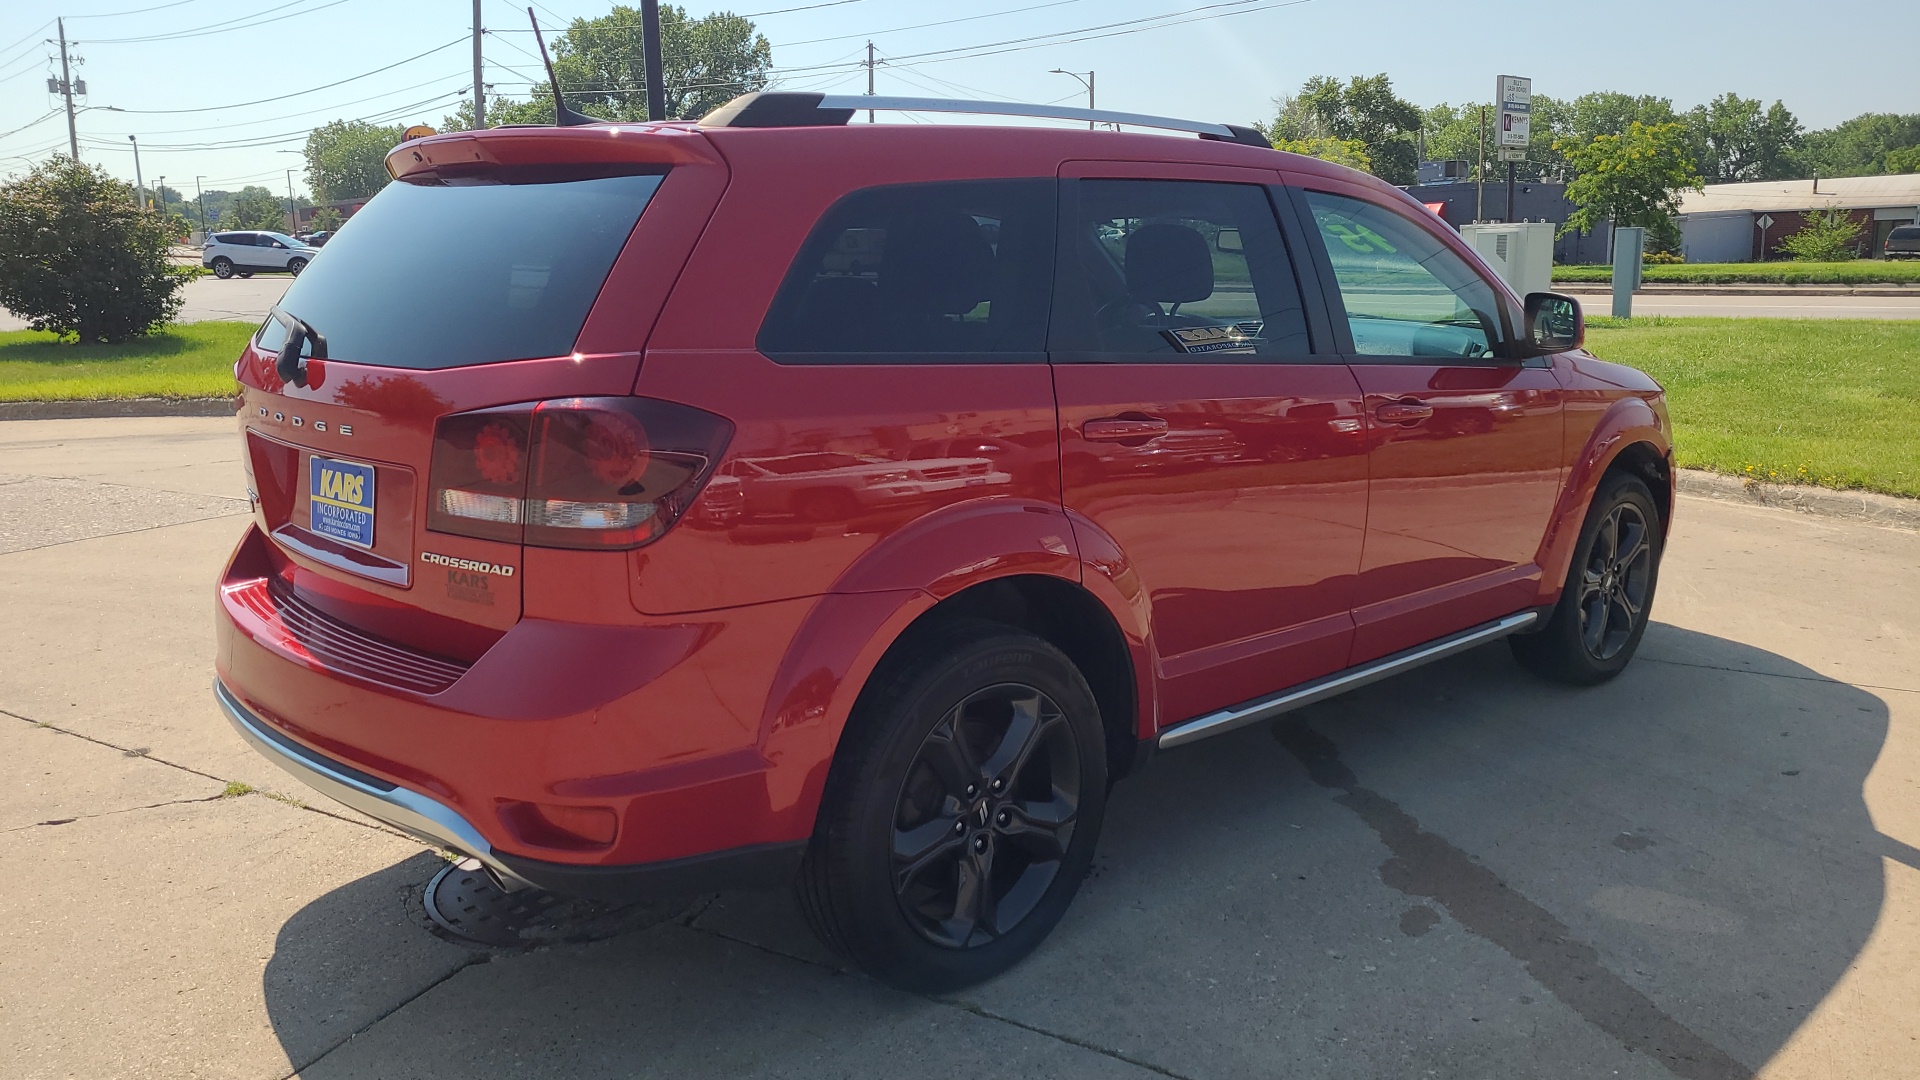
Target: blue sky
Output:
{"points": [[1207, 59]]}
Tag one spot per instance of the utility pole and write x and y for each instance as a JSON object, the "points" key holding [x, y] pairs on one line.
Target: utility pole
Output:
{"points": [[66, 88], [479, 91], [162, 189], [869, 78], [1480, 174], [1086, 82], [656, 78], [293, 216], [201, 197], [139, 185]]}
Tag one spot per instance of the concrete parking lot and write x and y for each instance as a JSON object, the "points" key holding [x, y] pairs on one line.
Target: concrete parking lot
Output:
{"points": [[1707, 868]]}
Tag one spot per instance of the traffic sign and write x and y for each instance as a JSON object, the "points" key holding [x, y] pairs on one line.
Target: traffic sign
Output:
{"points": [[1513, 153], [1765, 221]]}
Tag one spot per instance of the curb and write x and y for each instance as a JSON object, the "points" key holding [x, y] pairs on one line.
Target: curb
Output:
{"points": [[94, 410], [1864, 506], [1606, 289]]}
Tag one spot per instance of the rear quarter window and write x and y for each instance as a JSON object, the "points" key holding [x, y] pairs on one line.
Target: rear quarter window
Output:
{"points": [[455, 274], [921, 273]]}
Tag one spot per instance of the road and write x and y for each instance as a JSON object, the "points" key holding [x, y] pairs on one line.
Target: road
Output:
{"points": [[209, 298], [1704, 869]]}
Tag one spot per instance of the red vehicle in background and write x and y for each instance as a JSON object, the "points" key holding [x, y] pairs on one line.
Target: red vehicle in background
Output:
{"points": [[1006, 458]]}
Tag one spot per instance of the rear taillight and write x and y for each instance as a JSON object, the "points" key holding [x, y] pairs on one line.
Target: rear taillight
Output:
{"points": [[572, 472]]}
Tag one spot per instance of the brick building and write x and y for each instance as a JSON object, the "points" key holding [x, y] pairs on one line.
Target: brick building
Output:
{"points": [[1746, 222]]}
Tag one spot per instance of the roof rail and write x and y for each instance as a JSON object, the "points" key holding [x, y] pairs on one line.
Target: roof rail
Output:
{"points": [[778, 109]]}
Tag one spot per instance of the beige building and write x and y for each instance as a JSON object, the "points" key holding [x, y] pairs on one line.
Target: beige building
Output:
{"points": [[1746, 222]]}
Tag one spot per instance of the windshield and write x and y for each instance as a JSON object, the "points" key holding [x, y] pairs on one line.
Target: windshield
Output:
{"points": [[285, 239], [440, 276]]}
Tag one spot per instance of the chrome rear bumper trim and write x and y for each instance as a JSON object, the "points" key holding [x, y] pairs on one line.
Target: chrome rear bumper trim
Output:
{"points": [[1266, 708], [408, 811]]}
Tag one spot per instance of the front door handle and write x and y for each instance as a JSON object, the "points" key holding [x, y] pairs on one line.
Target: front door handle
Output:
{"points": [[1403, 412], [1121, 428]]}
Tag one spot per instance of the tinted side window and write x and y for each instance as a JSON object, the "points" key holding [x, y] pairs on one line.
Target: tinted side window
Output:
{"points": [[1905, 232], [1178, 269], [1405, 292], [923, 270]]}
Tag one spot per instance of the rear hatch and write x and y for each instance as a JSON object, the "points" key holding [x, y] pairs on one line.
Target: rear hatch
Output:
{"points": [[389, 401]]}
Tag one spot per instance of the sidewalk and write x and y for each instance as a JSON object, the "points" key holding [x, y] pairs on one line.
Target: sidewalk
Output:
{"points": [[1588, 287]]}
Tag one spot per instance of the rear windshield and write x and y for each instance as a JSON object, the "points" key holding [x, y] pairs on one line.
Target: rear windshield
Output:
{"points": [[440, 276], [1906, 232]]}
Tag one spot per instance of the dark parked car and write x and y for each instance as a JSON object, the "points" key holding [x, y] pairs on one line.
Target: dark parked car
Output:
{"points": [[900, 648], [1903, 242]]}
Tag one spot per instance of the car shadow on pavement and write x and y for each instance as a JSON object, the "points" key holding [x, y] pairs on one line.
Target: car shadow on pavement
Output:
{"points": [[1465, 871]]}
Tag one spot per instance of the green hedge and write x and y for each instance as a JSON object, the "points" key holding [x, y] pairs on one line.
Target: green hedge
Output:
{"points": [[1859, 272]]}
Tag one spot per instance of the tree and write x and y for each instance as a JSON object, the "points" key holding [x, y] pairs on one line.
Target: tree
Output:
{"points": [[1736, 140], [1607, 112], [1348, 152], [1364, 110], [327, 219], [254, 207], [1830, 235], [77, 259], [1859, 147], [347, 159], [1904, 161], [1452, 134], [706, 62], [1634, 178]]}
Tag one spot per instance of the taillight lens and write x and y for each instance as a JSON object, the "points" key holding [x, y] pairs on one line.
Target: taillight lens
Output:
{"points": [[572, 472]]}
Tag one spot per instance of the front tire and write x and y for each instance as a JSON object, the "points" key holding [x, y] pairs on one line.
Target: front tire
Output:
{"points": [[1608, 598], [962, 810], [296, 266], [222, 267]]}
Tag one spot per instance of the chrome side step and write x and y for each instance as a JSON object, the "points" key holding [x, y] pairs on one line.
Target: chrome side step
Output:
{"points": [[1266, 708]]}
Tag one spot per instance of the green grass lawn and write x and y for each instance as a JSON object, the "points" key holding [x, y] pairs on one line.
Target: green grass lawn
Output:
{"points": [[188, 360], [1808, 401], [1858, 272]]}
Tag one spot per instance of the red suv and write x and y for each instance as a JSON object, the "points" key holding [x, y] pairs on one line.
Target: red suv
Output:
{"points": [[661, 508]]}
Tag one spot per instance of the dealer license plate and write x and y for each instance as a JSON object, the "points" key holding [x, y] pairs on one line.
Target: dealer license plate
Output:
{"points": [[340, 500]]}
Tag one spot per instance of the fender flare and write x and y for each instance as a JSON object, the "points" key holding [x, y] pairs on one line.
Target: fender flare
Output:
{"points": [[1629, 421], [849, 629]]}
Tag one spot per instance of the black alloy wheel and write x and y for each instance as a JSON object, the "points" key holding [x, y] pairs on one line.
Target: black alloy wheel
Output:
{"points": [[1606, 602], [222, 267], [985, 816], [1616, 583], [962, 808]]}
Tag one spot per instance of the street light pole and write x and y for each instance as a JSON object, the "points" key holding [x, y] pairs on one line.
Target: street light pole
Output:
{"points": [[1086, 82], [139, 185]]}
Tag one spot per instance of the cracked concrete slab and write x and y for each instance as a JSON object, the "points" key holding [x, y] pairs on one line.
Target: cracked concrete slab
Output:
{"points": [[678, 1002], [236, 938], [187, 455], [46, 775]]}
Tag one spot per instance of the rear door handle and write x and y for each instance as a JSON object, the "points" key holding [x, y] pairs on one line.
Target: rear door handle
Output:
{"points": [[1403, 412], [1118, 428]]}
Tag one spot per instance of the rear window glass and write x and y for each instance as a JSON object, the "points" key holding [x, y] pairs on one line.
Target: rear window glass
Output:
{"points": [[1907, 232], [924, 273], [440, 276]]}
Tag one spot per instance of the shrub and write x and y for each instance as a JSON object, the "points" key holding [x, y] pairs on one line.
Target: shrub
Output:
{"points": [[77, 258], [1663, 258], [1830, 235]]}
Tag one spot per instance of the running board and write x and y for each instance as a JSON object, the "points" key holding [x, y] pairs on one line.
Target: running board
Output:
{"points": [[1266, 708]]}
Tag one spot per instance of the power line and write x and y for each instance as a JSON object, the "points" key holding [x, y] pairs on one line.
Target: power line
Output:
{"points": [[223, 27], [270, 140], [923, 26], [461, 40], [135, 11], [304, 112]]}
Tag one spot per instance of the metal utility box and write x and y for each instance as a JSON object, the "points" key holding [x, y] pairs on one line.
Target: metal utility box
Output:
{"points": [[1520, 252]]}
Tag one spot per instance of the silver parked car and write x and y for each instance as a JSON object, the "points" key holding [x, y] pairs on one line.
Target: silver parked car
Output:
{"points": [[243, 254]]}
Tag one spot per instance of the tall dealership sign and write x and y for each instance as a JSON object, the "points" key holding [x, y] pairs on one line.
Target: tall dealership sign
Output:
{"points": [[1514, 98]]}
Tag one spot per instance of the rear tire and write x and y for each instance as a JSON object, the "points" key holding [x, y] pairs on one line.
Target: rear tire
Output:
{"points": [[296, 266], [223, 268], [962, 809], [1608, 598]]}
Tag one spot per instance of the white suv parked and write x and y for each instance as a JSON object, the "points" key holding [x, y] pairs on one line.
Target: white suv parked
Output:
{"points": [[243, 253]]}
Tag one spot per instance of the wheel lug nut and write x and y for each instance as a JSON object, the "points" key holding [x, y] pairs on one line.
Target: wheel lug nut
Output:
{"points": [[1005, 818], [999, 785], [959, 827], [980, 843], [972, 790]]}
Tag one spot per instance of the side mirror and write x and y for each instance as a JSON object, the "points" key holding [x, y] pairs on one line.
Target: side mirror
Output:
{"points": [[1554, 323], [1228, 241]]}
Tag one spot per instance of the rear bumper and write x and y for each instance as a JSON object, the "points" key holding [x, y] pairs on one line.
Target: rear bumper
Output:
{"points": [[654, 724], [408, 811]]}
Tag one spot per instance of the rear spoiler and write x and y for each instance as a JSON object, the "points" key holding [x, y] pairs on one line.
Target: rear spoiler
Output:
{"points": [[596, 150]]}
